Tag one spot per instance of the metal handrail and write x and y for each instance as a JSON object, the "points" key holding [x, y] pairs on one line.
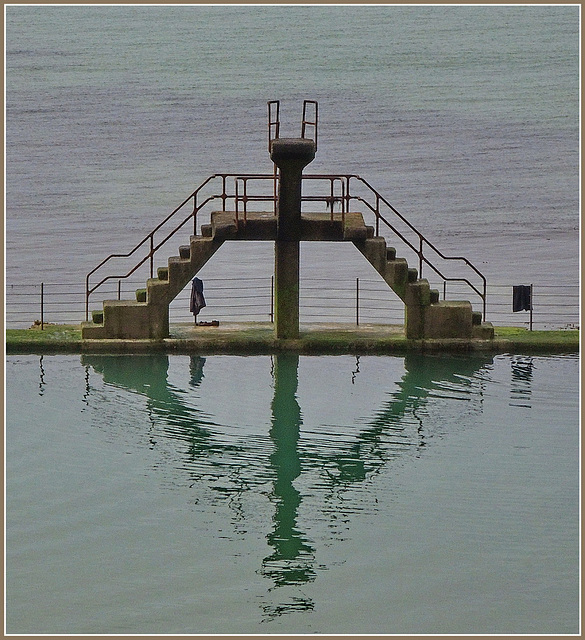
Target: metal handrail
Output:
{"points": [[312, 123], [344, 200], [273, 121], [150, 237], [422, 240]]}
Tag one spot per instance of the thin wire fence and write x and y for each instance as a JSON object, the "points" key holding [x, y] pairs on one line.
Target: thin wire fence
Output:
{"points": [[351, 300]]}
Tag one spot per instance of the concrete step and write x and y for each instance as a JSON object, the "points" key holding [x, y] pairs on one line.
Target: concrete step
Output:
{"points": [[418, 293], [354, 227], [396, 275], [374, 250], [483, 331], [185, 252], [394, 270], [92, 331], [157, 291], [448, 319], [128, 319], [223, 225]]}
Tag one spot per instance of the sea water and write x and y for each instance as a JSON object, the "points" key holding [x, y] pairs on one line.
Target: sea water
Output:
{"points": [[292, 494], [464, 117]]}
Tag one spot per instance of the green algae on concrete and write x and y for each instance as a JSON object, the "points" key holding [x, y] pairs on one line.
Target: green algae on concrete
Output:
{"points": [[549, 340], [55, 338], [259, 338]]}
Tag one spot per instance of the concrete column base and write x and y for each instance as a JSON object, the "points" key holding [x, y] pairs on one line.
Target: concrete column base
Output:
{"points": [[286, 289]]}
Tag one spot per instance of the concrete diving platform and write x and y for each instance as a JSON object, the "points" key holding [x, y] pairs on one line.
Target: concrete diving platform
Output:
{"points": [[262, 225]]}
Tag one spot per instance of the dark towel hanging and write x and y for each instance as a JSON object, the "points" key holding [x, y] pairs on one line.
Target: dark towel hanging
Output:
{"points": [[197, 301], [522, 298]]}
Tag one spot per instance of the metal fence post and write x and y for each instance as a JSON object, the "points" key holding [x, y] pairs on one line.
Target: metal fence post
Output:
{"points": [[42, 306], [357, 301], [271, 298], [531, 303]]}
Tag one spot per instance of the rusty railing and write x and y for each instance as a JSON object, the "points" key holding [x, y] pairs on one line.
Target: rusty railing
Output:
{"points": [[339, 191]]}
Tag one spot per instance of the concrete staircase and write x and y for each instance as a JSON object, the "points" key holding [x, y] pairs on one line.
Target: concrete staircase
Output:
{"points": [[425, 316], [148, 315]]}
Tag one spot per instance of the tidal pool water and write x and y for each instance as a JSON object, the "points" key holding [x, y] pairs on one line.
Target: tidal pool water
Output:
{"points": [[292, 494]]}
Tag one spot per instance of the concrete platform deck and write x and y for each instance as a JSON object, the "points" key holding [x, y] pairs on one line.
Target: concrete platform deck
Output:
{"points": [[315, 338], [315, 226]]}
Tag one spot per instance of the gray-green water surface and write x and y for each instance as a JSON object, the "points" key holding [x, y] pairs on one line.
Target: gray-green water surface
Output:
{"points": [[287, 494]]}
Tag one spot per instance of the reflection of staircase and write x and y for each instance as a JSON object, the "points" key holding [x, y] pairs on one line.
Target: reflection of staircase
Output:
{"points": [[148, 315]]}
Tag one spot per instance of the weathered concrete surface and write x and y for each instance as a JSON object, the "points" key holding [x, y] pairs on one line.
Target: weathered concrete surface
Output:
{"points": [[290, 156], [314, 226], [286, 289], [448, 319], [314, 338], [129, 319]]}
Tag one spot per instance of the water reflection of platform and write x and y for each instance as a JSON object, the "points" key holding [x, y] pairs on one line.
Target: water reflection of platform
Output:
{"points": [[310, 472]]}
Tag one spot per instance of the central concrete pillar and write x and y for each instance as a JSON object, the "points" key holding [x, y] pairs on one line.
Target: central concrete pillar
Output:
{"points": [[290, 155]]}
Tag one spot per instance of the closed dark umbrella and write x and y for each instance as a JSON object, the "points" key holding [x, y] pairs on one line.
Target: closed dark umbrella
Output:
{"points": [[197, 301]]}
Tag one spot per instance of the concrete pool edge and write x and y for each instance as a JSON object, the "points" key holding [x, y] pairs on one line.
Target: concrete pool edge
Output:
{"points": [[317, 339]]}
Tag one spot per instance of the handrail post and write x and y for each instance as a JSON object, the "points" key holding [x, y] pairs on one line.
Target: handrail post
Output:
{"points": [[331, 190], [377, 214], [151, 255], [275, 193], [420, 256], [245, 199], [86, 298], [347, 197], [236, 201], [344, 199], [195, 213]]}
